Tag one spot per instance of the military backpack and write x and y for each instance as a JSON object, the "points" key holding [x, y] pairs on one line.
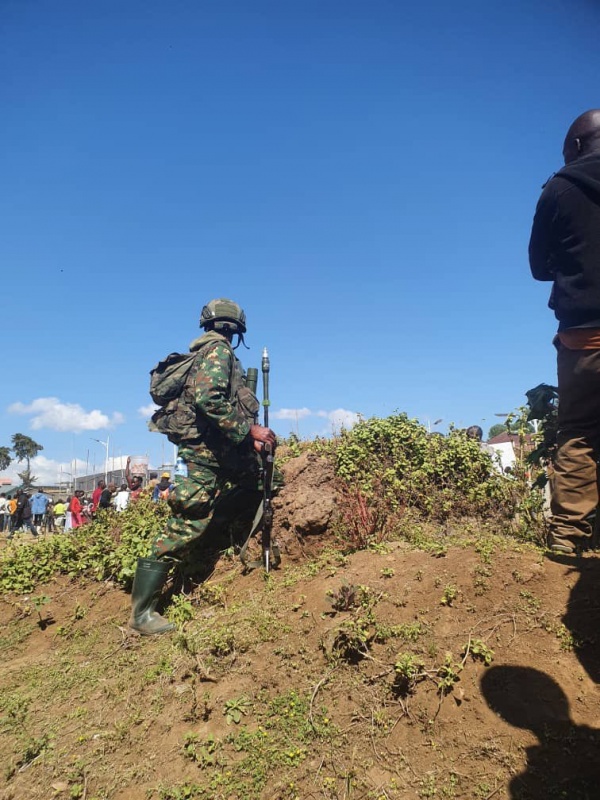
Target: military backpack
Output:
{"points": [[172, 388]]}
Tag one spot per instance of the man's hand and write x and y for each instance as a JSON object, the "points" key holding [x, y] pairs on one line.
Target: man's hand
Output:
{"points": [[261, 436]]}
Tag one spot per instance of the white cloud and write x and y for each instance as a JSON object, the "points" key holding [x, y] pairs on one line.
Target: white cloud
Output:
{"points": [[341, 418], [147, 411], [47, 471], [338, 418], [292, 413], [50, 412]]}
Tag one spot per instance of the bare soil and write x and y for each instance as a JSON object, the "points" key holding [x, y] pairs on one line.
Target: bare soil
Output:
{"points": [[358, 676]]}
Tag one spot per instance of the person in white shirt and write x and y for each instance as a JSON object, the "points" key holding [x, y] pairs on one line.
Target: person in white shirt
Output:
{"points": [[4, 514], [121, 499]]}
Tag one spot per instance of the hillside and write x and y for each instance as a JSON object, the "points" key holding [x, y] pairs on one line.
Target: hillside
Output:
{"points": [[450, 660]]}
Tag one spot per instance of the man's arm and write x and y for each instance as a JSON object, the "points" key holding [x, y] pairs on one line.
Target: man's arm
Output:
{"points": [[212, 400], [127, 472], [212, 394], [544, 237]]}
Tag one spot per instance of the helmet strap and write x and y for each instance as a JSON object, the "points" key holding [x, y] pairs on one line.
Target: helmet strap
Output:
{"points": [[240, 341]]}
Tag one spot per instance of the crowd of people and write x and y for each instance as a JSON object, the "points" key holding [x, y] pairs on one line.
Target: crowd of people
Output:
{"points": [[39, 512]]}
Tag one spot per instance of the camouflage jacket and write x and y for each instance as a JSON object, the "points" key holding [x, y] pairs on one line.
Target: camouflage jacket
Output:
{"points": [[224, 407]]}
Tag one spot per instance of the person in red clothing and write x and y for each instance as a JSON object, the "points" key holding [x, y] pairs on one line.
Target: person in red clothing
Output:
{"points": [[96, 494], [76, 510]]}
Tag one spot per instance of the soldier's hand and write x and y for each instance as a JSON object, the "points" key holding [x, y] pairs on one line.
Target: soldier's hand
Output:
{"points": [[261, 436]]}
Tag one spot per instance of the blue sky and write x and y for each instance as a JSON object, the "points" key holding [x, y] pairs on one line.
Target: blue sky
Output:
{"points": [[359, 176]]}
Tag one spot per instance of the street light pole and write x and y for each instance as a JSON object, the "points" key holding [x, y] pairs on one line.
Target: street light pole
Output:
{"points": [[105, 445]]}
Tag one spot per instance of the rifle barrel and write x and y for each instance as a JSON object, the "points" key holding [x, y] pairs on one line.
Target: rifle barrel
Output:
{"points": [[266, 367]]}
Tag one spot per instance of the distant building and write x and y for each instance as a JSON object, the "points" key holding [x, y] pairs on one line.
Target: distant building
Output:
{"points": [[510, 448]]}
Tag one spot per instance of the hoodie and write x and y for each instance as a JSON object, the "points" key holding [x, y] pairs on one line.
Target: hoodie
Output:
{"points": [[565, 243]]}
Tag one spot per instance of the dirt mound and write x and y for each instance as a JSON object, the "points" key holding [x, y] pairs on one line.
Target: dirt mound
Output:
{"points": [[463, 666], [307, 503], [306, 506]]}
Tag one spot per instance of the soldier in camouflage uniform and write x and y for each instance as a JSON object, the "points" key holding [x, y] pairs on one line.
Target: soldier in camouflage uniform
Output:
{"points": [[221, 451]]}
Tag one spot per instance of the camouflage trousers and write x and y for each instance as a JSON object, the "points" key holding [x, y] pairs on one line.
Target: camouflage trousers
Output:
{"points": [[208, 496]]}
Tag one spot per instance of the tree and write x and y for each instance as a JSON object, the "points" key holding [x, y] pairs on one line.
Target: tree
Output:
{"points": [[27, 479], [499, 427], [25, 449], [5, 459]]}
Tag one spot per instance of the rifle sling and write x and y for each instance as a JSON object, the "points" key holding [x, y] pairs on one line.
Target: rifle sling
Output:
{"points": [[256, 526]]}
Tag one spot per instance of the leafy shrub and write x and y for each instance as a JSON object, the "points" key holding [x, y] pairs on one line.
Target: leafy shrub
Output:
{"points": [[107, 547], [396, 461]]}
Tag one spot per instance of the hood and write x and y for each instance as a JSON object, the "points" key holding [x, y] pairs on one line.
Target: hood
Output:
{"points": [[585, 174], [210, 336]]}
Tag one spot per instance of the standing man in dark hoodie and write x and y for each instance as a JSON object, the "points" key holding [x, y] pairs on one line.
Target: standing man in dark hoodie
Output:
{"points": [[565, 248]]}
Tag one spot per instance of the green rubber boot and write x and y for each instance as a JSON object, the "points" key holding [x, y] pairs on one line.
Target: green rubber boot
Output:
{"points": [[150, 577]]}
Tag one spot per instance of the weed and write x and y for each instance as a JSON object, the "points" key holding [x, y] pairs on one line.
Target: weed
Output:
{"points": [[33, 747], [186, 791], [408, 671], [222, 641], [297, 605], [428, 787], [448, 674], [532, 603], [449, 595], [203, 752], [387, 572], [481, 573], [15, 708], [352, 640], [407, 631], [79, 612], [486, 549], [382, 460], [478, 650], [180, 610], [212, 594], [38, 603], [344, 599], [568, 642], [164, 667], [236, 708]]}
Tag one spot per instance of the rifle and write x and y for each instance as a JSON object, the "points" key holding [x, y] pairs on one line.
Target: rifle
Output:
{"points": [[264, 515], [268, 459]]}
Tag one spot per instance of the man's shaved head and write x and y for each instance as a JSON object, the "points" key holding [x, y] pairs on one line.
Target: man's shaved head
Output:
{"points": [[583, 137]]}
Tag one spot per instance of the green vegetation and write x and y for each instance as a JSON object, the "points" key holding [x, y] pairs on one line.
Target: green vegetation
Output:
{"points": [[392, 476], [24, 448], [397, 459], [391, 469], [496, 429], [379, 660], [108, 547]]}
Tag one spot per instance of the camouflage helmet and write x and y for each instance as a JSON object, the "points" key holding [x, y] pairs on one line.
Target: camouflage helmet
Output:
{"points": [[223, 314]]}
